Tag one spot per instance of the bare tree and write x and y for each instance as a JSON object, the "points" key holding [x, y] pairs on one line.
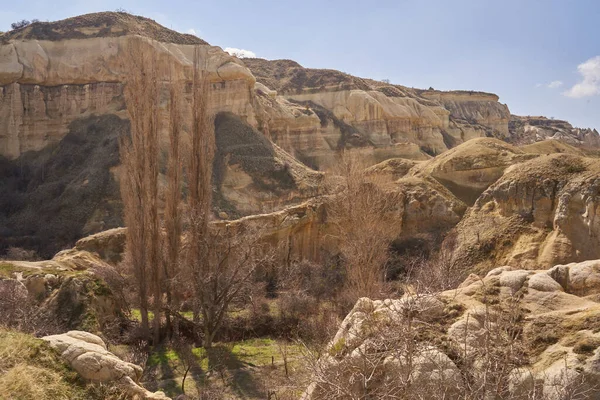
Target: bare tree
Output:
{"points": [[139, 179], [172, 217], [362, 215], [231, 255], [199, 173]]}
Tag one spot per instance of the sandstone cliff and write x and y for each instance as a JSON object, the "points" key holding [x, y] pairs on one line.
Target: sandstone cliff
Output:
{"points": [[384, 120], [62, 111]]}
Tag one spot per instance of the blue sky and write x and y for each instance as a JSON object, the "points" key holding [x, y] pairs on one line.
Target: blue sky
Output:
{"points": [[542, 57]]}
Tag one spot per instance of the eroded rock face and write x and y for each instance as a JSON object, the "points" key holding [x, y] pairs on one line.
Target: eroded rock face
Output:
{"points": [[540, 213], [67, 292], [519, 331], [252, 175], [470, 168], [88, 355], [47, 84], [388, 118], [526, 130]]}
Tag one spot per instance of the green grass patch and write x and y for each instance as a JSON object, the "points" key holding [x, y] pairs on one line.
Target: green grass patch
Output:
{"points": [[163, 356], [137, 315], [8, 271], [261, 352]]}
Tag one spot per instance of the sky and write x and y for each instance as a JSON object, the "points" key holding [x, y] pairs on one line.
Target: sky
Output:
{"points": [[542, 57]]}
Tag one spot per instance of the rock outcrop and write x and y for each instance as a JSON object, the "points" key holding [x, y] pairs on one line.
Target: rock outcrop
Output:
{"points": [[539, 213], [252, 175], [526, 130], [470, 168], [88, 355], [509, 334], [67, 292]]}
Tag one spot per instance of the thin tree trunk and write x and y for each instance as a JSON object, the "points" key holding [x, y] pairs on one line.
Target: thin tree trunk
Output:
{"points": [[173, 197], [139, 183]]}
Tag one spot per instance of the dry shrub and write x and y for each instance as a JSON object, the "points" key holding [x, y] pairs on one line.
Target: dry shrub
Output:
{"points": [[18, 253], [19, 311], [360, 214], [438, 272], [15, 305], [323, 280], [304, 317]]}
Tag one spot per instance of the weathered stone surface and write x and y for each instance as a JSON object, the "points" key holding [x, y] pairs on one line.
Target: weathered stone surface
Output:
{"points": [[540, 213], [377, 114], [65, 80], [109, 244], [88, 355], [429, 348], [470, 168], [526, 130]]}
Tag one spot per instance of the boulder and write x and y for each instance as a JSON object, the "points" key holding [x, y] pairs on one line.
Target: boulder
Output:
{"points": [[88, 355]]}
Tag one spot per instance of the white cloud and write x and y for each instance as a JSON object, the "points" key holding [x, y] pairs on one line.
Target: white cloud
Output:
{"points": [[590, 84], [192, 31], [555, 84], [240, 53], [551, 85]]}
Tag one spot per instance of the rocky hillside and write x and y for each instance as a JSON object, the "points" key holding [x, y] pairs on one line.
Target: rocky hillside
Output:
{"points": [[526, 130], [383, 120], [539, 213], [62, 111], [509, 334]]}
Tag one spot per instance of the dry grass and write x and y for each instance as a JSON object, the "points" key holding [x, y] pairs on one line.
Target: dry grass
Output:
{"points": [[30, 369], [30, 382]]}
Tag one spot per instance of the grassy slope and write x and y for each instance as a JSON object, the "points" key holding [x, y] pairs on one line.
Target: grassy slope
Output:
{"points": [[30, 369]]}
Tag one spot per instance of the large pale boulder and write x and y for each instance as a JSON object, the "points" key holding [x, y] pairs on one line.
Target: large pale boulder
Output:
{"points": [[582, 279], [88, 355]]}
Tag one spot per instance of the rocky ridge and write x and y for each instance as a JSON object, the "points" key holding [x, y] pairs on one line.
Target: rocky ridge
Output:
{"points": [[526, 130], [539, 213]]}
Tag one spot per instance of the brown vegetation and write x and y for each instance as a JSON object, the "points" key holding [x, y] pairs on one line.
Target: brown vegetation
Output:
{"points": [[139, 179], [360, 214]]}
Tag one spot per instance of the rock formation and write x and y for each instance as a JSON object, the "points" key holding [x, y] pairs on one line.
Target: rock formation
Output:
{"points": [[526, 130], [382, 120], [67, 292], [62, 111], [539, 213], [88, 355], [510, 333], [468, 169]]}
